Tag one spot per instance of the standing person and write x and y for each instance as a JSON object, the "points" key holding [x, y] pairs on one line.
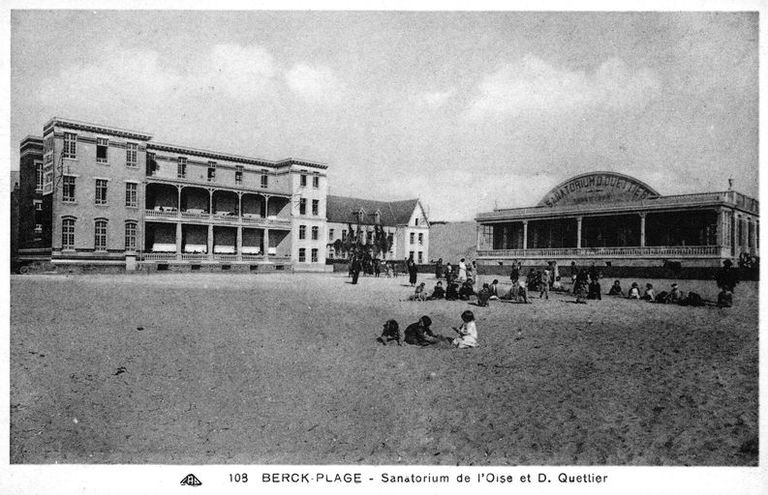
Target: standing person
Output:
{"points": [[467, 331], [544, 284], [580, 286], [376, 267], [448, 273], [355, 269], [462, 271], [574, 274], [726, 279], [412, 271], [439, 268], [514, 276], [555, 273], [471, 273]]}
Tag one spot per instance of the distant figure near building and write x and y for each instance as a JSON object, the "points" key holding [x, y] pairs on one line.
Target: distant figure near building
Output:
{"points": [[726, 280], [412, 271]]}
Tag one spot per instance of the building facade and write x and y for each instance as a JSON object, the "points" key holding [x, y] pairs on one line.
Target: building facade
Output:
{"points": [[617, 220], [113, 196], [404, 222]]}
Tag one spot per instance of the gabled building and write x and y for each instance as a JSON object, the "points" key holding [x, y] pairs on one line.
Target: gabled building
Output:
{"points": [[405, 222]]}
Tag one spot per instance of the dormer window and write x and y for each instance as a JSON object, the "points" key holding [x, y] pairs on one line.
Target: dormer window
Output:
{"points": [[416, 220], [377, 217]]}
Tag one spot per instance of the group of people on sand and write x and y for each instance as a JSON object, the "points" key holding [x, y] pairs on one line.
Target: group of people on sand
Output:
{"points": [[420, 333]]}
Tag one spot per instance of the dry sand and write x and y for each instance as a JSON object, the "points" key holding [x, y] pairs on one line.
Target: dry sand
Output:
{"points": [[212, 368]]}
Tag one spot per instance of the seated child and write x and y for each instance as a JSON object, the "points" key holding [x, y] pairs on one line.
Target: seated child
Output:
{"points": [[725, 299], [467, 331], [391, 332], [494, 288], [466, 290], [453, 291], [674, 295], [616, 289], [420, 294], [634, 291], [557, 285], [649, 295], [484, 295], [522, 293], [419, 333], [438, 292]]}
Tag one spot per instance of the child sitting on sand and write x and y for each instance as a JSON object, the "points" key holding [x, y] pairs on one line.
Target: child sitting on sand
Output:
{"points": [[483, 295], [616, 289], [391, 332], [634, 291], [649, 294], [420, 294], [438, 292], [467, 331]]}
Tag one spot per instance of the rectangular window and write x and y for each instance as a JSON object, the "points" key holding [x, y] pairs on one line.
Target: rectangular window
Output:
{"points": [[211, 171], [302, 255], [303, 206], [151, 164], [101, 191], [68, 189], [410, 254], [38, 177], [315, 232], [343, 235], [130, 236], [330, 234], [302, 231], [303, 180], [131, 155], [264, 180], [239, 174], [102, 147], [421, 257], [38, 204], [316, 181], [314, 256], [70, 145], [315, 207], [131, 192], [100, 236], [391, 240], [421, 239], [181, 168], [68, 233], [411, 237]]}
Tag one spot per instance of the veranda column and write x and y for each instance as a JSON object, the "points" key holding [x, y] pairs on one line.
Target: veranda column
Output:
{"points": [[178, 240], [178, 202], [239, 243], [266, 244], [265, 213], [578, 232], [210, 241], [210, 201], [525, 234], [239, 206], [642, 229]]}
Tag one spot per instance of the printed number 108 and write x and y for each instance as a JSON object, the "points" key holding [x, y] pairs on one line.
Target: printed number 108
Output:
{"points": [[238, 478]]}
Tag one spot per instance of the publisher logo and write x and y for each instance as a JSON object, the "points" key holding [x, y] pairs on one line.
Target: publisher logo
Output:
{"points": [[191, 480]]}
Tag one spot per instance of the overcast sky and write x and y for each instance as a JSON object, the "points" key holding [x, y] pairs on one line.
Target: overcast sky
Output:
{"points": [[464, 110]]}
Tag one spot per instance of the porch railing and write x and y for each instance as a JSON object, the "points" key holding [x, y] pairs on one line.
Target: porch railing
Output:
{"points": [[657, 251]]}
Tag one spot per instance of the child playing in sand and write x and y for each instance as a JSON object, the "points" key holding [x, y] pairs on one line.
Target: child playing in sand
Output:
{"points": [[420, 294], [467, 331]]}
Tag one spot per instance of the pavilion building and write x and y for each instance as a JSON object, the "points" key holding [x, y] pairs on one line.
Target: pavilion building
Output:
{"points": [[611, 219]]}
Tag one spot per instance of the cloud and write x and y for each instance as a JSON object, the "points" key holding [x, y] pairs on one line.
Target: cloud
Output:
{"points": [[435, 99], [533, 85], [140, 78], [316, 84], [242, 72]]}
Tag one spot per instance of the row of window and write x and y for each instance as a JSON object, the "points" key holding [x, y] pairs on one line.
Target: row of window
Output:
{"points": [[181, 170], [315, 181], [102, 150], [331, 234], [303, 232], [303, 255], [303, 206], [421, 239], [100, 234], [68, 189], [419, 258]]}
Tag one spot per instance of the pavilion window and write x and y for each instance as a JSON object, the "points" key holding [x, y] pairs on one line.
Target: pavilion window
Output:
{"points": [[102, 148]]}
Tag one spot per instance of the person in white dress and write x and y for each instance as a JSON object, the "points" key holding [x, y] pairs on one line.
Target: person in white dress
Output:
{"points": [[462, 271], [467, 331]]}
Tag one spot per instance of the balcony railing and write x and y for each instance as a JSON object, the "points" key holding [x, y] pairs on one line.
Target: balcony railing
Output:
{"points": [[653, 251], [219, 218]]}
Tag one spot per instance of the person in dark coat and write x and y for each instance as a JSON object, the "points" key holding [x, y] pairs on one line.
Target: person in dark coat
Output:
{"points": [[419, 333], [726, 279], [439, 268], [438, 292], [412, 271], [355, 268]]}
